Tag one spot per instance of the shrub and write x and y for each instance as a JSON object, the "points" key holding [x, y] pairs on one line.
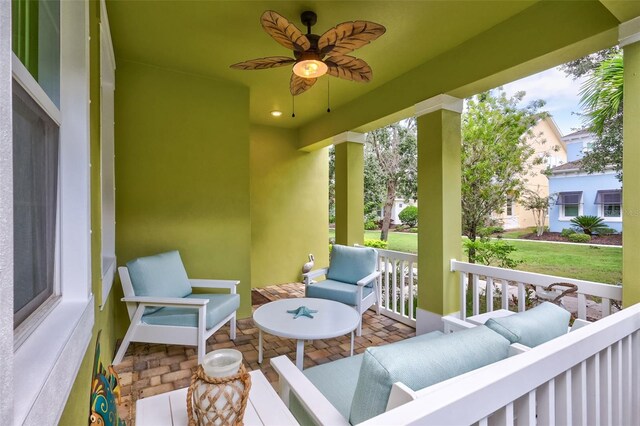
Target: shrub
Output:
{"points": [[588, 224], [409, 216], [579, 238], [332, 218], [376, 244], [490, 230], [414, 230], [488, 252], [607, 231], [567, 232], [370, 225]]}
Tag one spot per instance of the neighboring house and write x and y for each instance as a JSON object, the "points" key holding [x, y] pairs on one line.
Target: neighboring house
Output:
{"points": [[576, 192], [554, 152], [398, 205]]}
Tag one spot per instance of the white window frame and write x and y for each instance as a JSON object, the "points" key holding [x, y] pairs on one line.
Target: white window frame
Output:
{"points": [[22, 76], [107, 154], [607, 218], [506, 207], [564, 218], [49, 358]]}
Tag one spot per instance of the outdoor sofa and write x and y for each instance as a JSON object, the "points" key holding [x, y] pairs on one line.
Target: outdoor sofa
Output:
{"points": [[356, 389]]}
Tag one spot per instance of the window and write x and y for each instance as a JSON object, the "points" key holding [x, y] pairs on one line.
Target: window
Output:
{"points": [[569, 203], [36, 103], [35, 196], [610, 203], [509, 207]]}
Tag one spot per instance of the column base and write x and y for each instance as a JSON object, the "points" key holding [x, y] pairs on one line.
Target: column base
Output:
{"points": [[427, 321]]}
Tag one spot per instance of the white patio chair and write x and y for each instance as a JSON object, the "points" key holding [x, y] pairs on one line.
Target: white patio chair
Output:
{"points": [[163, 309], [352, 279]]}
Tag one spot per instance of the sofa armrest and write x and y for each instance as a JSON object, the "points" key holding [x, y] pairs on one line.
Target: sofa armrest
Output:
{"points": [[578, 323], [228, 284], [314, 274], [314, 402], [166, 301], [369, 278], [453, 324]]}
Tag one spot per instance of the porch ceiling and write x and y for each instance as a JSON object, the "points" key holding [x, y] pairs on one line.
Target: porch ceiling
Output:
{"points": [[205, 37]]}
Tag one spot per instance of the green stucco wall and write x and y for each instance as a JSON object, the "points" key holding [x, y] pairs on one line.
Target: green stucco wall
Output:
{"points": [[182, 174], [289, 206], [76, 411]]}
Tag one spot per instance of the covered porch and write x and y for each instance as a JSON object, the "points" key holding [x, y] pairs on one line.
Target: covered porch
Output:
{"points": [[198, 164]]}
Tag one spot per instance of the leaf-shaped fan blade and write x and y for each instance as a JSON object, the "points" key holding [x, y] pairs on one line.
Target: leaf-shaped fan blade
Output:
{"points": [[349, 36], [264, 63], [349, 68], [300, 85], [284, 32]]}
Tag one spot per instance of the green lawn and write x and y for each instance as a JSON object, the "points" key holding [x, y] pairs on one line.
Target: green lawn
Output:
{"points": [[600, 264]]}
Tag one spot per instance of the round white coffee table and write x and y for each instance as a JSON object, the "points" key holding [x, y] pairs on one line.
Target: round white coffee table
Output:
{"points": [[333, 319]]}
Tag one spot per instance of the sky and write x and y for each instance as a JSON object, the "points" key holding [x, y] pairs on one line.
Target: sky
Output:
{"points": [[560, 93]]}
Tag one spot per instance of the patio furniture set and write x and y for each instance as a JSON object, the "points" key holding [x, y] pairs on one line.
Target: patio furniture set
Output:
{"points": [[163, 308]]}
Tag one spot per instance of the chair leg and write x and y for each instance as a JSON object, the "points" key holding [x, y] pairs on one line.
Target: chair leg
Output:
{"points": [[360, 327], [202, 344], [123, 348], [135, 320], [232, 328]]}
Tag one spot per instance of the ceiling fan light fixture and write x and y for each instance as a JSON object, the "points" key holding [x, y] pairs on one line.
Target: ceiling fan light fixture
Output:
{"points": [[310, 68]]}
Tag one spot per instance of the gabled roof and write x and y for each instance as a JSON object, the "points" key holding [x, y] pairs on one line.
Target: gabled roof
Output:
{"points": [[571, 165], [581, 132]]}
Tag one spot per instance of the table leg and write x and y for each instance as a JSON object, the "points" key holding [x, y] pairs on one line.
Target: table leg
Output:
{"points": [[352, 343], [300, 354], [259, 346]]}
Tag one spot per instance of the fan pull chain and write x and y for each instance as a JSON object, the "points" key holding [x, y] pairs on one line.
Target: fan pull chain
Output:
{"points": [[293, 106], [328, 96]]}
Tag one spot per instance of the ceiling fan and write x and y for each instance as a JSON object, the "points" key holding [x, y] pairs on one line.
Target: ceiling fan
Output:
{"points": [[316, 55]]}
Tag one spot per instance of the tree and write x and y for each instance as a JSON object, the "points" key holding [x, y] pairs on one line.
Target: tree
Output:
{"points": [[539, 206], [496, 156], [601, 99], [394, 148]]}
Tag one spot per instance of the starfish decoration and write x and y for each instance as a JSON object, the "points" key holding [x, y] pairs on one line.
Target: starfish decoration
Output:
{"points": [[302, 311]]}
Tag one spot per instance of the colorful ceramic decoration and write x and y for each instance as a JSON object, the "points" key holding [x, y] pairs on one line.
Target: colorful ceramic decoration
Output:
{"points": [[104, 391]]}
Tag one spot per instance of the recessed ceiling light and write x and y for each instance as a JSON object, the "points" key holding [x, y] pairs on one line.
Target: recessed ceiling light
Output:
{"points": [[276, 113]]}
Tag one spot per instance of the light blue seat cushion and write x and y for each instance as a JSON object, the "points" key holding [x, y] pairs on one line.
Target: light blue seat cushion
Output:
{"points": [[162, 275], [338, 291], [351, 264], [337, 381], [419, 364], [219, 306], [533, 327]]}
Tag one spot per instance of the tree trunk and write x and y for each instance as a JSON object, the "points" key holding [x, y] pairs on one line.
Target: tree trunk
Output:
{"points": [[388, 206]]}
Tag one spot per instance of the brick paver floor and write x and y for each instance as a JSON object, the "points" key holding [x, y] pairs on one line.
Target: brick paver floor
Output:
{"points": [[150, 369]]}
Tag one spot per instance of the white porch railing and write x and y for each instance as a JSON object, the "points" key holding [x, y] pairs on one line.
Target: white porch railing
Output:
{"points": [[399, 285], [497, 283], [589, 376]]}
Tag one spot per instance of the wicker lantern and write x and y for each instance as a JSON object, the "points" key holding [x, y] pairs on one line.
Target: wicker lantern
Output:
{"points": [[219, 390]]}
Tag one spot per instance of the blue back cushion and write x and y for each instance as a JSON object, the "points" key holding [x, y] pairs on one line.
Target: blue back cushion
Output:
{"points": [[162, 275], [421, 363], [533, 327], [351, 264]]}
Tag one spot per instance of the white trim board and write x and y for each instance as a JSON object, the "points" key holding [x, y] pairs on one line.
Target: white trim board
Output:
{"points": [[629, 32], [439, 102], [349, 137], [6, 215]]}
